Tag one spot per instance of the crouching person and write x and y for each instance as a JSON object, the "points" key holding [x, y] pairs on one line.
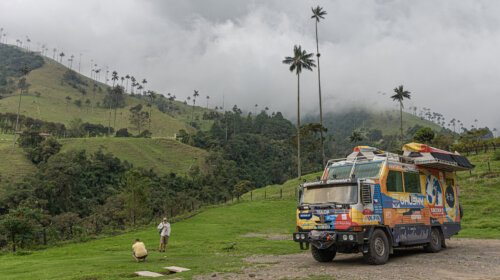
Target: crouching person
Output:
{"points": [[139, 250]]}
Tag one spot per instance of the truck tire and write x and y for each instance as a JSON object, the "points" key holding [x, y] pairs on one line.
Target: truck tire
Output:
{"points": [[378, 251], [323, 255], [434, 245]]}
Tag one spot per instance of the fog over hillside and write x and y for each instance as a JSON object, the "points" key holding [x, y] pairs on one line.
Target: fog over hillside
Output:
{"points": [[446, 53]]}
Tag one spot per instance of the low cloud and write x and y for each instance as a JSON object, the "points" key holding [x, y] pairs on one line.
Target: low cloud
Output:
{"points": [[445, 53]]}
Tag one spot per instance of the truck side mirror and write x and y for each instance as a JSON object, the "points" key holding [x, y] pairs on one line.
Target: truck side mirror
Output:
{"points": [[366, 194]]}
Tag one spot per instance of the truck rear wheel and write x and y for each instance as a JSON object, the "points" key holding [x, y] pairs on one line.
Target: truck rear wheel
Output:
{"points": [[323, 255], [378, 251], [434, 245]]}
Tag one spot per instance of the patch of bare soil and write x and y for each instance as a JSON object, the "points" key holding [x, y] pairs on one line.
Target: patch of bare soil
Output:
{"points": [[463, 259], [270, 236]]}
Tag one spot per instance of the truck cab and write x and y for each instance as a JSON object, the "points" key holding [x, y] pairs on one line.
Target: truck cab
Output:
{"points": [[374, 201]]}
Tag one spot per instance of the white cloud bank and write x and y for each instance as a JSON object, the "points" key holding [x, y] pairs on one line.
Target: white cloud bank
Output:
{"points": [[445, 52]]}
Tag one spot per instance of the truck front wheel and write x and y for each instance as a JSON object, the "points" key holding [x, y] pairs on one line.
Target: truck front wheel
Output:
{"points": [[378, 251], [323, 255]]}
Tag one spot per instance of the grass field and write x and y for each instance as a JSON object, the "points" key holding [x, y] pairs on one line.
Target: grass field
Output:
{"points": [[13, 166], [51, 105], [160, 154], [214, 240], [480, 196]]}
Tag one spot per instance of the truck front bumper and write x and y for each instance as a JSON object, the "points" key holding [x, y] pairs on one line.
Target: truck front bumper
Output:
{"points": [[322, 239]]}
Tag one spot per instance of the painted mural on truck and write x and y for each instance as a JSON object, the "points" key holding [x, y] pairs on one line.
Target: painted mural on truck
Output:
{"points": [[436, 201]]}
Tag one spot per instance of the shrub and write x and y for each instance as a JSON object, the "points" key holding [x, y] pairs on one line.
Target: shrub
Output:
{"points": [[145, 134], [424, 135], [123, 133], [497, 155]]}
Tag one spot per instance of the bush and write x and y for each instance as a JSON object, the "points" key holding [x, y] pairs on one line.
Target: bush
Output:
{"points": [[424, 135], [145, 134], [43, 151], [497, 155], [123, 133]]}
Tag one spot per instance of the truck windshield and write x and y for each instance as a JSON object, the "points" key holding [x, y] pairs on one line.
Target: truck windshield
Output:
{"points": [[340, 194], [362, 170]]}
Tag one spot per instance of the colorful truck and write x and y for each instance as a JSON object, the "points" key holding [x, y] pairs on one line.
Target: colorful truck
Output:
{"points": [[374, 201]]}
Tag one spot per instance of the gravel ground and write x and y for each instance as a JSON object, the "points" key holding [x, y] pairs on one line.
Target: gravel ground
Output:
{"points": [[463, 259]]}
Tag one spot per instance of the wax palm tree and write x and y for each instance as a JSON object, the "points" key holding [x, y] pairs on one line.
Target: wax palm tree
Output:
{"points": [[300, 60], [97, 74], [319, 13], [152, 96], [208, 97], [61, 55], [114, 77], [195, 94], [144, 82], [71, 61], [126, 85], [22, 85], [355, 136], [400, 95], [122, 79], [132, 86]]}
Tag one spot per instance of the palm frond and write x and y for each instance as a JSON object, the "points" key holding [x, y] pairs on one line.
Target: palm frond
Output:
{"points": [[301, 59], [318, 13]]}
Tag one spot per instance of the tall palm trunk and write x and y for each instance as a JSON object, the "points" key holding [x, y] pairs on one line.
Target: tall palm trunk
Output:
{"points": [[149, 120], [401, 119], [17, 122], [298, 126], [320, 105]]}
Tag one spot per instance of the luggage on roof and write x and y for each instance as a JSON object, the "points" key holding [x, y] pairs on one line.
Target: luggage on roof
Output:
{"points": [[427, 156]]}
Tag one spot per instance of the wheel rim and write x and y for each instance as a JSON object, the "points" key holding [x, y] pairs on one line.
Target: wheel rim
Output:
{"points": [[379, 246], [434, 238]]}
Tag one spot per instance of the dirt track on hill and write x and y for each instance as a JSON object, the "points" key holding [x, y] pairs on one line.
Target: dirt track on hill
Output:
{"points": [[463, 259]]}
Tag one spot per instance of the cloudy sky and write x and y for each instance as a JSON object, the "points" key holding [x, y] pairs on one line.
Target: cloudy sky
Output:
{"points": [[447, 53]]}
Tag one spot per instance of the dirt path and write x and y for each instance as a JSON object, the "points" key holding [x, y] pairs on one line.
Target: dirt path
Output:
{"points": [[463, 259]]}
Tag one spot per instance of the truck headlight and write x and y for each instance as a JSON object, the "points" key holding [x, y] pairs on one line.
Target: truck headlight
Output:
{"points": [[302, 236], [344, 237], [351, 237], [297, 236]]}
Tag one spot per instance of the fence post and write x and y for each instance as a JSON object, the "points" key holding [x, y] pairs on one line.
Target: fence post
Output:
{"points": [[251, 198], [281, 193], [489, 168], [192, 205], [265, 194]]}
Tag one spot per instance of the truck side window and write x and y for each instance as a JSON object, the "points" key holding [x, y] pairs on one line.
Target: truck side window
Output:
{"points": [[412, 183], [394, 181]]}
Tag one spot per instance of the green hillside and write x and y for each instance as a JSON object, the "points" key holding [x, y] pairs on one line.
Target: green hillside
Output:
{"points": [[46, 100], [13, 166], [219, 238], [159, 154]]}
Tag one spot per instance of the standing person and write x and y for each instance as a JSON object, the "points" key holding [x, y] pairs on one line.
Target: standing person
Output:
{"points": [[139, 250], [164, 230]]}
